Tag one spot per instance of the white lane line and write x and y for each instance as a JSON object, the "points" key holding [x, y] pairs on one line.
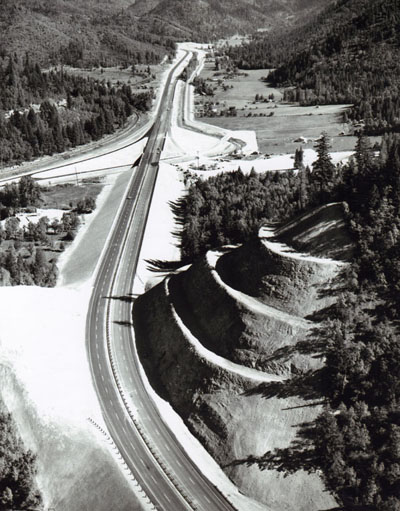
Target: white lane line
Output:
{"points": [[166, 496]]}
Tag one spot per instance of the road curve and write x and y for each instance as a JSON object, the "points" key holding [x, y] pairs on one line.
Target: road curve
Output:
{"points": [[150, 449]]}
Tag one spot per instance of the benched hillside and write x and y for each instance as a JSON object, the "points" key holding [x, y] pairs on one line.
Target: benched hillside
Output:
{"points": [[280, 304]]}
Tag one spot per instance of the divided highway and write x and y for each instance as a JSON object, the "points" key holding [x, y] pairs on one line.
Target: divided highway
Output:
{"points": [[153, 454]]}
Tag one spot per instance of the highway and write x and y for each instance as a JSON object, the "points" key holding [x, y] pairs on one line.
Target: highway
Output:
{"points": [[118, 141], [149, 448]]}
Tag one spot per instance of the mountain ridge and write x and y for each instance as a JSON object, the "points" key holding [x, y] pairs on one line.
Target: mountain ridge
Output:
{"points": [[116, 32]]}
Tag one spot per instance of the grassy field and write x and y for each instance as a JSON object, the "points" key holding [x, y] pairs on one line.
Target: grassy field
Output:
{"points": [[276, 124], [63, 195], [139, 81]]}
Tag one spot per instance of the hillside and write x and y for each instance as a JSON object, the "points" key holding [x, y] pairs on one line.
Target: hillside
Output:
{"points": [[213, 19], [81, 33], [226, 355], [348, 54], [126, 32], [263, 298]]}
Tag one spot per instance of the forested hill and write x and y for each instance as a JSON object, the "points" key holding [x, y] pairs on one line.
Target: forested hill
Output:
{"points": [[348, 54], [81, 33], [213, 19], [51, 112], [93, 32]]}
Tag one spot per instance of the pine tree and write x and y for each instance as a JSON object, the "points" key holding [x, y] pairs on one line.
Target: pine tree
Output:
{"points": [[323, 175], [363, 154], [298, 158]]}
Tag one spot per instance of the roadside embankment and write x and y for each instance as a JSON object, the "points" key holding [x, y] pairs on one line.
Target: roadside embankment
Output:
{"points": [[225, 410]]}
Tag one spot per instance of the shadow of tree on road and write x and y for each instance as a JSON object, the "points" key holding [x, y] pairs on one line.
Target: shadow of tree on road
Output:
{"points": [[161, 266], [123, 323], [129, 298]]}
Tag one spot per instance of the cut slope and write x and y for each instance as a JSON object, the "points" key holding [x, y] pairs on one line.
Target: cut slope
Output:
{"points": [[321, 232], [183, 323], [262, 270], [242, 329], [168, 357], [225, 410], [271, 271]]}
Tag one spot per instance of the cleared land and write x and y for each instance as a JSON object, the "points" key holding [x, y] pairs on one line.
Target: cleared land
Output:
{"points": [[139, 80], [276, 124], [63, 195], [80, 261]]}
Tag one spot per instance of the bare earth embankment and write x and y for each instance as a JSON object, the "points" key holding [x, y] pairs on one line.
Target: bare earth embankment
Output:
{"points": [[220, 342]]}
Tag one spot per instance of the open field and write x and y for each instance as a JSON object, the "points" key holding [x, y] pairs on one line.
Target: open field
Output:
{"points": [[276, 124], [116, 75], [63, 195]]}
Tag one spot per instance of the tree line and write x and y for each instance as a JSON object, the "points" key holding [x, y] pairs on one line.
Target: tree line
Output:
{"points": [[355, 441], [230, 207], [84, 35]]}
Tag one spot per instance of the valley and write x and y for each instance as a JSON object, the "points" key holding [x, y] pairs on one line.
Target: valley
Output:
{"points": [[280, 127], [199, 255]]}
